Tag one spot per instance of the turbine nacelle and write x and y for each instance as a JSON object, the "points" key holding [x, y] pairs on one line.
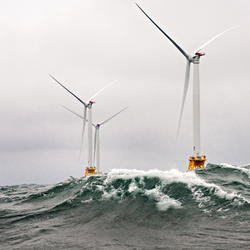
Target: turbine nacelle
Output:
{"points": [[90, 103], [196, 58], [200, 54]]}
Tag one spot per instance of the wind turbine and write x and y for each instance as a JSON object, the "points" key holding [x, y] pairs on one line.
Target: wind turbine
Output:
{"points": [[196, 160], [97, 135], [87, 107]]}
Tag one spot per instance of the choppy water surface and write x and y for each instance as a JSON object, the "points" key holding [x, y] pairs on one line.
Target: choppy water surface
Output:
{"points": [[131, 209]]}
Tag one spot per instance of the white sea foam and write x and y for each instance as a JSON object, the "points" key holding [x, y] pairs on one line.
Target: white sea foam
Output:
{"points": [[111, 194], [166, 202], [163, 201]]}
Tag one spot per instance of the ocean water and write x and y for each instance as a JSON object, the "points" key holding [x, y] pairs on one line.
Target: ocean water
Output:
{"points": [[131, 209]]}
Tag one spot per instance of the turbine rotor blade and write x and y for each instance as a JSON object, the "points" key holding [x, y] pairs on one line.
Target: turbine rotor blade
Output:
{"points": [[97, 93], [113, 116], [83, 129], [82, 117], [171, 40], [212, 39], [73, 112], [186, 84], [84, 124], [95, 144], [81, 101]]}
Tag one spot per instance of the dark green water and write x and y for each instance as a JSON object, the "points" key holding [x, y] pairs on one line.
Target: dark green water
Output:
{"points": [[131, 209]]}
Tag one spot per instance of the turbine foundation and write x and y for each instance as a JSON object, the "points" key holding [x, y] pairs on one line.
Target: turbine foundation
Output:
{"points": [[90, 171], [196, 162]]}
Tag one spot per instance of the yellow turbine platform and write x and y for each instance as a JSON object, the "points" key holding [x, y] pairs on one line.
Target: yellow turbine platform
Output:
{"points": [[196, 162], [90, 171]]}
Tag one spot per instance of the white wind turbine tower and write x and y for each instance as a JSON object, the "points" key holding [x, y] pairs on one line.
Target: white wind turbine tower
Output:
{"points": [[97, 135], [87, 107], [195, 161]]}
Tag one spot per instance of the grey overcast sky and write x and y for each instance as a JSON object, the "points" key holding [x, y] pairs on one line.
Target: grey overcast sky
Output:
{"points": [[88, 43]]}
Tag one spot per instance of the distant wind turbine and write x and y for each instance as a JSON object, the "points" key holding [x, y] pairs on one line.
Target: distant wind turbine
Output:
{"points": [[97, 134], [87, 106], [196, 160]]}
